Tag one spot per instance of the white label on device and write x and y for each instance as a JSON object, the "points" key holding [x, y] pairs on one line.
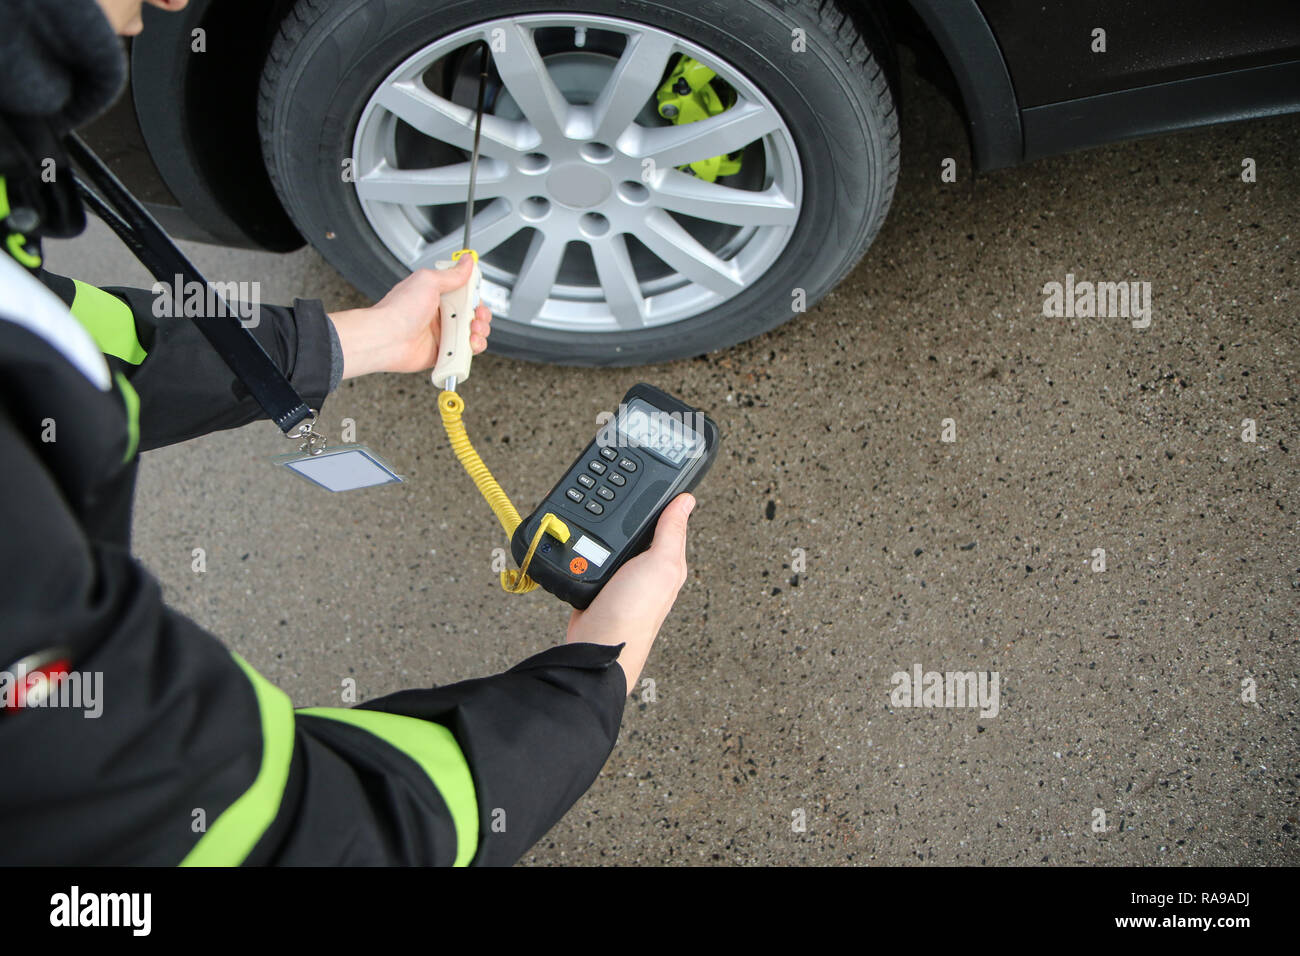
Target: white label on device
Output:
{"points": [[342, 469], [591, 551]]}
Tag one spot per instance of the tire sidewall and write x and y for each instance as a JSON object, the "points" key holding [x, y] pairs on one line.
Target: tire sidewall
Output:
{"points": [[331, 72]]}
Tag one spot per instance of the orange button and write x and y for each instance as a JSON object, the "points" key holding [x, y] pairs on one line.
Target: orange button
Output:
{"points": [[578, 565]]}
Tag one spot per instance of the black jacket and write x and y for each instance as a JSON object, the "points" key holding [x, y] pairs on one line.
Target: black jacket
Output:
{"points": [[195, 758]]}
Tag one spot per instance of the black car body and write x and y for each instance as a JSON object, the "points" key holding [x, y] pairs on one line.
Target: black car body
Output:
{"points": [[1028, 78]]}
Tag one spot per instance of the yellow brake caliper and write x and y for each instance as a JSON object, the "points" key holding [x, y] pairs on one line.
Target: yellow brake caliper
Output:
{"points": [[688, 96]]}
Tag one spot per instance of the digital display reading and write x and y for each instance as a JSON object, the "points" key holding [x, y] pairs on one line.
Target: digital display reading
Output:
{"points": [[663, 434]]}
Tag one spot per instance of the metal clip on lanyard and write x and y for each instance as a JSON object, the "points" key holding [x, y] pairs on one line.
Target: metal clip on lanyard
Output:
{"points": [[237, 346]]}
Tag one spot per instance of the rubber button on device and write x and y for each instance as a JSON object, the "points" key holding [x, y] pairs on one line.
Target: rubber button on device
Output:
{"points": [[606, 493], [608, 454], [597, 466], [586, 481], [627, 464], [578, 565], [616, 479], [595, 507], [574, 494]]}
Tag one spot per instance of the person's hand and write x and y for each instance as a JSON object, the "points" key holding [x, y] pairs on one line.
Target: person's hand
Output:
{"points": [[125, 15], [631, 608], [400, 332]]}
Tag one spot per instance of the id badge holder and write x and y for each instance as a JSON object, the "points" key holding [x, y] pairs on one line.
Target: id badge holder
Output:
{"points": [[341, 468]]}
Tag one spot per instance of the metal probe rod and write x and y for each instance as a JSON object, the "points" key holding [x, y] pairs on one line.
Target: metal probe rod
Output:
{"points": [[450, 384], [478, 135]]}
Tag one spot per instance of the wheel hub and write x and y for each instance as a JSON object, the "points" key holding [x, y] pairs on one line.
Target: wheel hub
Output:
{"points": [[578, 186]]}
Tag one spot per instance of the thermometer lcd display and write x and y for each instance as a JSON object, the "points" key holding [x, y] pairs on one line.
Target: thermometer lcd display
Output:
{"points": [[663, 434]]}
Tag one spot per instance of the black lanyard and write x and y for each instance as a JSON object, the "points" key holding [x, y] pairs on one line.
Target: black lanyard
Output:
{"points": [[237, 346]]}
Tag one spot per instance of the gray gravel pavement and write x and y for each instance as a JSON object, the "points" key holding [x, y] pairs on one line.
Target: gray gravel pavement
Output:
{"points": [[1120, 691]]}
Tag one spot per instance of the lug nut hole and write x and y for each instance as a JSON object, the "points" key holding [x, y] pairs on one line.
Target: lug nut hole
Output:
{"points": [[535, 208], [534, 163], [594, 225], [596, 152], [633, 192]]}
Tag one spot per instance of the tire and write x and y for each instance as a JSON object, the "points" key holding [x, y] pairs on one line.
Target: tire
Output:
{"points": [[833, 99]]}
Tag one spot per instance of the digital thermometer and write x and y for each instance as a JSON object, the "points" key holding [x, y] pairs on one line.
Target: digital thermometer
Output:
{"points": [[652, 450]]}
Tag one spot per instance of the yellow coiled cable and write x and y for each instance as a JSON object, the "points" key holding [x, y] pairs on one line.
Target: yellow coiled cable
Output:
{"points": [[452, 407]]}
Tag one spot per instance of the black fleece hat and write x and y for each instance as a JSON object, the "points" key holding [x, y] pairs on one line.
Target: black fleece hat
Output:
{"points": [[60, 62]]}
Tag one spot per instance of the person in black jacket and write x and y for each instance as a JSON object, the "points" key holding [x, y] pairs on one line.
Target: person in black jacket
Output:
{"points": [[182, 753]]}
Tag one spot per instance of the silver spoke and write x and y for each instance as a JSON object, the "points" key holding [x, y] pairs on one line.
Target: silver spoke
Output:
{"points": [[441, 119], [715, 136], [571, 153], [738, 207], [525, 76], [665, 237], [618, 281], [632, 84], [493, 225], [442, 185], [536, 276]]}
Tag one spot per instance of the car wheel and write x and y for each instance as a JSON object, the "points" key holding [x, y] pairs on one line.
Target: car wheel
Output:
{"points": [[657, 180]]}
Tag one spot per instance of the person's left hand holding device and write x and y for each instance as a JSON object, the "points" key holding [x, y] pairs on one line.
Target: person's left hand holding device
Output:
{"points": [[400, 332]]}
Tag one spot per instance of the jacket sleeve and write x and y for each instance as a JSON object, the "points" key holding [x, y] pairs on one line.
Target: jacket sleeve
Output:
{"points": [[182, 752], [507, 756], [185, 388], [535, 738]]}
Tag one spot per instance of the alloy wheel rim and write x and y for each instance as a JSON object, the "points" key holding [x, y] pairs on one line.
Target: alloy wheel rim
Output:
{"points": [[583, 221]]}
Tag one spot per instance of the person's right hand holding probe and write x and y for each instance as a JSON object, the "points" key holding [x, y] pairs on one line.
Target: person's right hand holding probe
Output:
{"points": [[631, 608]]}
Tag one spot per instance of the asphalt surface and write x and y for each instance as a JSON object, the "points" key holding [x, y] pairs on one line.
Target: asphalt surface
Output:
{"points": [[1120, 691]]}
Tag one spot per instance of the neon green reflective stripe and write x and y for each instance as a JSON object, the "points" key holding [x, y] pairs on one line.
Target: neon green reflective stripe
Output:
{"points": [[434, 748], [109, 321], [131, 400], [232, 836]]}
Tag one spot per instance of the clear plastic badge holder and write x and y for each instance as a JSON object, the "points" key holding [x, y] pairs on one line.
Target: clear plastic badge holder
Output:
{"points": [[344, 468]]}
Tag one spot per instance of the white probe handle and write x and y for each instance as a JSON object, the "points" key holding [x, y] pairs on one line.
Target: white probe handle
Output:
{"points": [[457, 311]]}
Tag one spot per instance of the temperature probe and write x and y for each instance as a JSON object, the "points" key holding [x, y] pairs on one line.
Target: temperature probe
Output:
{"points": [[604, 510], [457, 307]]}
